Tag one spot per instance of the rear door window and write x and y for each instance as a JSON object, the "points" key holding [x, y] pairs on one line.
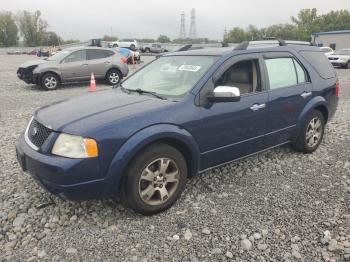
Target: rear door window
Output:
{"points": [[281, 72], [98, 54]]}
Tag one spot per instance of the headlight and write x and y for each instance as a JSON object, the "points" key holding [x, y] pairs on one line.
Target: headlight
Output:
{"points": [[75, 147]]}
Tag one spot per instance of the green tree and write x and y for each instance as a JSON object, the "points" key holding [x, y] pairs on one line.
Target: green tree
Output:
{"points": [[32, 27], [109, 38], [51, 39], [69, 41], [163, 39], [8, 30], [236, 35]]}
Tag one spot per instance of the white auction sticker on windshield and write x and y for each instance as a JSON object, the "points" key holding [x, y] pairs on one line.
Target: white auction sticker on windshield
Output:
{"points": [[191, 68]]}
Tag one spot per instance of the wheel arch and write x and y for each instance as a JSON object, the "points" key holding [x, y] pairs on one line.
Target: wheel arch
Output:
{"points": [[169, 134], [316, 103], [116, 68], [50, 72]]}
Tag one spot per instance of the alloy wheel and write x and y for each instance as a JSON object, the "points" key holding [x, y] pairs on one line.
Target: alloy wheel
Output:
{"points": [[114, 78], [50, 82], [314, 132], [159, 181]]}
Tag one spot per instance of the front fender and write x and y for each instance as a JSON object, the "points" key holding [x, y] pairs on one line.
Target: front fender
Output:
{"points": [[139, 141], [311, 105]]}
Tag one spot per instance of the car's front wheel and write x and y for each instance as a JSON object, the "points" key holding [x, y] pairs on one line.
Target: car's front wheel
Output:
{"points": [[49, 81], [155, 179], [311, 133], [113, 76], [132, 47]]}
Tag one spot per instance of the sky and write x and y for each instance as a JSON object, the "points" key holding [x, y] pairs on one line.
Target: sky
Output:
{"points": [[85, 19]]}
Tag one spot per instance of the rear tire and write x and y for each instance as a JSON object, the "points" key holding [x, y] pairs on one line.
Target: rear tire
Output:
{"points": [[155, 179], [311, 133], [113, 77], [132, 47], [49, 81], [147, 50]]}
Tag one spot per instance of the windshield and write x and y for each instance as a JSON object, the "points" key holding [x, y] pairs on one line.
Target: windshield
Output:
{"points": [[342, 52], [170, 76], [58, 56]]}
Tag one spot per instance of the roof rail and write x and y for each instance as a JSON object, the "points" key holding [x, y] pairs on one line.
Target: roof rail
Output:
{"points": [[280, 42]]}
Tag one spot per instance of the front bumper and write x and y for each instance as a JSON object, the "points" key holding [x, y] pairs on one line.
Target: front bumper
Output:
{"points": [[73, 179], [27, 76]]}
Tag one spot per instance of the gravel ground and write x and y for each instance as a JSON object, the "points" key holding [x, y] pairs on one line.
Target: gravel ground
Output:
{"points": [[276, 206]]}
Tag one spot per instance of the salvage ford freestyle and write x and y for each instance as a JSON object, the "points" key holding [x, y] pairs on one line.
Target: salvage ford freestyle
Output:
{"points": [[182, 114]]}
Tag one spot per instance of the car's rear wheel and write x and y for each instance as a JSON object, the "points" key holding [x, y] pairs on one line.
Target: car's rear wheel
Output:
{"points": [[155, 179], [147, 50], [115, 45], [132, 47], [311, 133], [113, 76], [49, 81]]}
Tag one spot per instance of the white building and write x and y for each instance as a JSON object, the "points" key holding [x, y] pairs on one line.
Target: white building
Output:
{"points": [[333, 39]]}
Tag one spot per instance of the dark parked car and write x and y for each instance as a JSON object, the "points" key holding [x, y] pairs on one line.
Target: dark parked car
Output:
{"points": [[74, 64], [180, 115]]}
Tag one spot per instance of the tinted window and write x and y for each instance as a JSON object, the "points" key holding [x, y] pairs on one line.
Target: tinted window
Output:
{"points": [[76, 56], [281, 72], [320, 63], [98, 54], [300, 73]]}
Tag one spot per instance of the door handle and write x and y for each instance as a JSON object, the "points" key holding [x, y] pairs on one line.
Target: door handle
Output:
{"points": [[257, 107], [85, 64], [107, 62], [306, 94]]}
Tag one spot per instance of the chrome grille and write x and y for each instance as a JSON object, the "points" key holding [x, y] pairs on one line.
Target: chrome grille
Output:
{"points": [[37, 133]]}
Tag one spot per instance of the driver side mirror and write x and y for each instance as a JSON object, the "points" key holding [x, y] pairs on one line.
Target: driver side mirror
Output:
{"points": [[224, 94]]}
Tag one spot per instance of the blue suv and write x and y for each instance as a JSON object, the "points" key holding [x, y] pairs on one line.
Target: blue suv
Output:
{"points": [[182, 114]]}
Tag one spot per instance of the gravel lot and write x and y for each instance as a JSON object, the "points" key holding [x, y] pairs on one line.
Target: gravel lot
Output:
{"points": [[279, 205]]}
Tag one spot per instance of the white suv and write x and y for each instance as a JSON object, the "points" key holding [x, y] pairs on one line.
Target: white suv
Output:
{"points": [[127, 43]]}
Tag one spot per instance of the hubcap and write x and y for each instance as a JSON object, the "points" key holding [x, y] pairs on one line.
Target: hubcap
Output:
{"points": [[50, 82], [114, 78], [159, 181], [314, 132]]}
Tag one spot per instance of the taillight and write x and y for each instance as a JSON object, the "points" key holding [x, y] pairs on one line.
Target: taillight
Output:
{"points": [[337, 88], [123, 60]]}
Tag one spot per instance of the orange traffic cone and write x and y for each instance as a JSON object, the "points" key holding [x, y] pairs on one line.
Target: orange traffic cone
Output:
{"points": [[92, 87]]}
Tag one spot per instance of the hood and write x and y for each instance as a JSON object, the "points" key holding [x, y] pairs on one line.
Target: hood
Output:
{"points": [[94, 110], [33, 63]]}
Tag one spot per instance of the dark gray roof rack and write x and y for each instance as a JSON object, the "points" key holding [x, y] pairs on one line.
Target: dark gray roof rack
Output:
{"points": [[280, 42]]}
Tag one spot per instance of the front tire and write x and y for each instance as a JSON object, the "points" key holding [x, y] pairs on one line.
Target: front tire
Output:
{"points": [[113, 77], [311, 133], [49, 81], [155, 179], [132, 47]]}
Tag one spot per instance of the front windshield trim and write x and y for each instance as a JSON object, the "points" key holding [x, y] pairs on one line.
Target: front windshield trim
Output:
{"points": [[167, 95]]}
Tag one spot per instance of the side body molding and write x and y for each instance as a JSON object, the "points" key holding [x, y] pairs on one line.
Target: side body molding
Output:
{"points": [[140, 140]]}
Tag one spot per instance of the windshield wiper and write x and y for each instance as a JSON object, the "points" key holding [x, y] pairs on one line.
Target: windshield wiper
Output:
{"points": [[141, 91]]}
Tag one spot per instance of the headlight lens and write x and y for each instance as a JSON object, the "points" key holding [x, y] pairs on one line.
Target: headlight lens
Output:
{"points": [[75, 147]]}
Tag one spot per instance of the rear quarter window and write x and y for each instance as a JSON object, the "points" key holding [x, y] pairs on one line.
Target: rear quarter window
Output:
{"points": [[319, 62]]}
